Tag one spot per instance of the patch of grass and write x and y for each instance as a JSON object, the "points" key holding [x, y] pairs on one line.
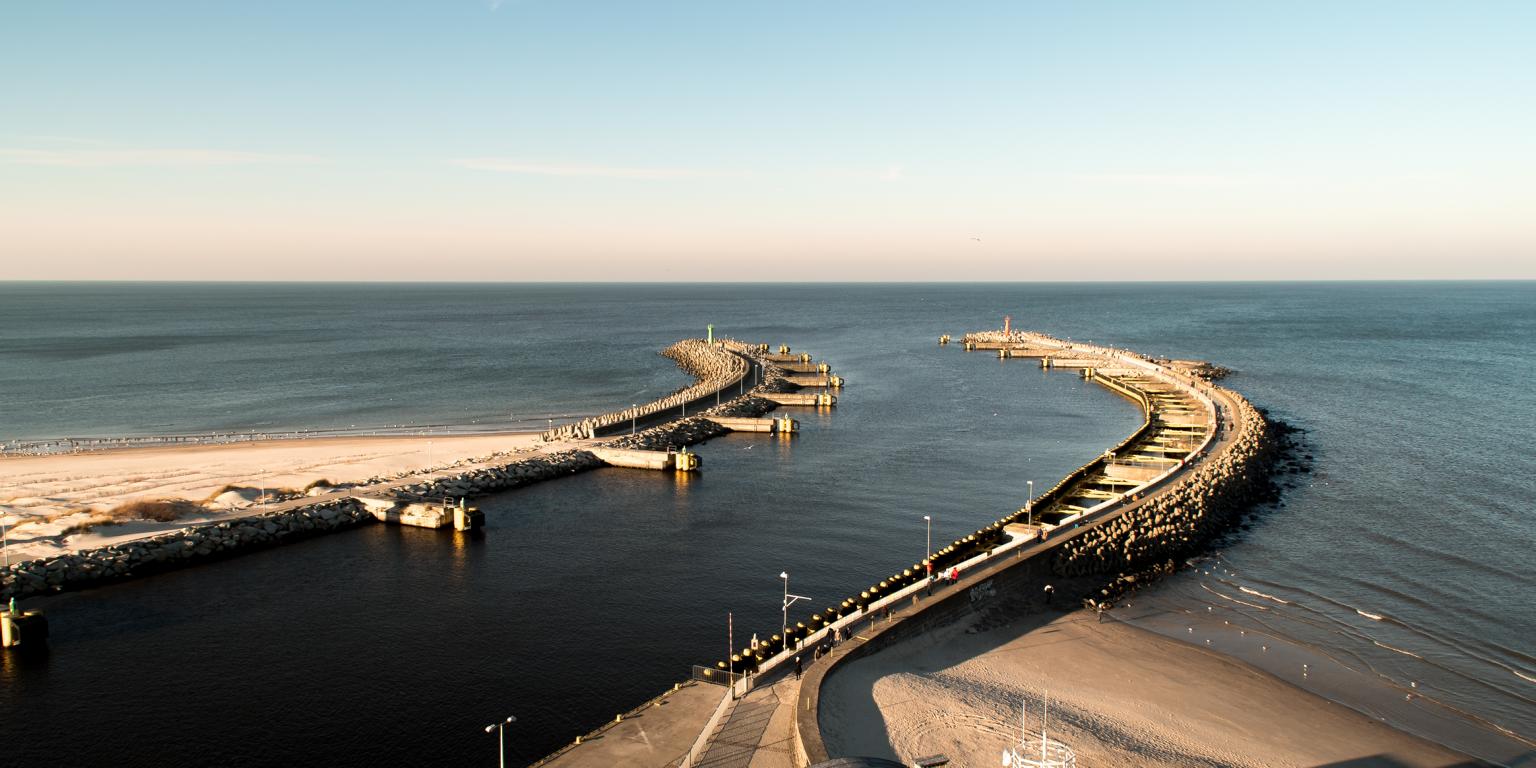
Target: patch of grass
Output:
{"points": [[223, 489], [87, 524], [158, 510]]}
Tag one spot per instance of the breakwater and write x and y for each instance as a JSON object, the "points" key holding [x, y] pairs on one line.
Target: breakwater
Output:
{"points": [[1180, 422], [1183, 519], [194, 544], [178, 549], [1169, 511], [715, 366], [722, 365]]}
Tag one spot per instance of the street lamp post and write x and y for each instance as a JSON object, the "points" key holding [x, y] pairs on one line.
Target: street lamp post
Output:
{"points": [[788, 601], [501, 739], [1029, 506], [928, 550]]}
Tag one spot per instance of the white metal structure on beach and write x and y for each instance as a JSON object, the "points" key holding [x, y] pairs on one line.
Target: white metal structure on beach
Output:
{"points": [[1038, 751]]}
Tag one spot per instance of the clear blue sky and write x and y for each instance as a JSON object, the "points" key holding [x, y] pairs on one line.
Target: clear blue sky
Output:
{"points": [[545, 139]]}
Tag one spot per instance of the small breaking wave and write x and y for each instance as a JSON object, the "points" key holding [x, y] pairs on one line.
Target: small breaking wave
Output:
{"points": [[1257, 593], [1233, 599], [1380, 644], [1371, 616]]}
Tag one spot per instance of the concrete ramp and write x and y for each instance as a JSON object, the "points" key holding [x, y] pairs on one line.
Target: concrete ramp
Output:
{"points": [[1182, 420], [1137, 474], [800, 398], [397, 512], [815, 381], [744, 424], [805, 367], [637, 459]]}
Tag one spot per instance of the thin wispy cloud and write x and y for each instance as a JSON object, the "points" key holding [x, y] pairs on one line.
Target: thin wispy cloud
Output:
{"points": [[1181, 180], [511, 165], [160, 158]]}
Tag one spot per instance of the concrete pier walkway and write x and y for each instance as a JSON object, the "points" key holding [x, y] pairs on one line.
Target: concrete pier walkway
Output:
{"points": [[655, 735], [759, 731]]}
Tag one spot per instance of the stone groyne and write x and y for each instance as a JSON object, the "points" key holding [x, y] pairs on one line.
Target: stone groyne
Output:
{"points": [[1183, 519], [178, 549], [714, 366]]}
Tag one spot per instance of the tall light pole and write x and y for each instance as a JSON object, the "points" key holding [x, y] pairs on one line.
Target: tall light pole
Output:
{"points": [[502, 738], [788, 601], [1029, 506], [928, 551], [5, 537]]}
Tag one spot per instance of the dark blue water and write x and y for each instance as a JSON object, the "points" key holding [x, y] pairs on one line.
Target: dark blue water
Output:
{"points": [[588, 595]]}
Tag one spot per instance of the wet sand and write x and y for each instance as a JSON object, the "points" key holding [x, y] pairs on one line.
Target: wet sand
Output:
{"points": [[1119, 695]]}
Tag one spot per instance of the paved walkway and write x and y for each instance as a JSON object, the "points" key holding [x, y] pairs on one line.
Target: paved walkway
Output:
{"points": [[759, 732], [655, 737]]}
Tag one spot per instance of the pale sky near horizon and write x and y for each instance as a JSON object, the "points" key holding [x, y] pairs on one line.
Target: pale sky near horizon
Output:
{"points": [[567, 140]]}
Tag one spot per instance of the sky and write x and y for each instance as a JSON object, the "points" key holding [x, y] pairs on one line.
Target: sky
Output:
{"points": [[534, 140]]}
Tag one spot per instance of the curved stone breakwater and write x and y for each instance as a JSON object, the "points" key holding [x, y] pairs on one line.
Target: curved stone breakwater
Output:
{"points": [[1185, 517], [715, 367], [194, 544], [1135, 534]]}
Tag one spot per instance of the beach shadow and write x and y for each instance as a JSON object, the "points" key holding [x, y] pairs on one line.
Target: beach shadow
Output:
{"points": [[949, 645], [1387, 761]]}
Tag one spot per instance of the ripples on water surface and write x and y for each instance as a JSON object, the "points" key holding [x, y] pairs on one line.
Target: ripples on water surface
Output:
{"points": [[588, 595]]}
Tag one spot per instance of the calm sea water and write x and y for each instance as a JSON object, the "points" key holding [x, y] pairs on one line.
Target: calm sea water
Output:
{"points": [[588, 595]]}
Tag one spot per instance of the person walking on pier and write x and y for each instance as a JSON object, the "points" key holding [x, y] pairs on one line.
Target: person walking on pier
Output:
{"points": [[797, 667]]}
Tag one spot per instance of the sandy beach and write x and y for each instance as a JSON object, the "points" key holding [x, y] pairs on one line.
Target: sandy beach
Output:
{"points": [[1119, 695], [44, 496]]}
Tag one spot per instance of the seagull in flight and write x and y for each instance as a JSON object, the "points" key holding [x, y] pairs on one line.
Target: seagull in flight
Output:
{"points": [[977, 239]]}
